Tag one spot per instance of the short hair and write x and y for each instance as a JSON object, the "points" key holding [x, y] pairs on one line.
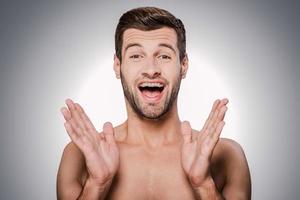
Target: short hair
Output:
{"points": [[147, 19]]}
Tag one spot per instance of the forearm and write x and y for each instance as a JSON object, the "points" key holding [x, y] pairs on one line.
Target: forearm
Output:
{"points": [[94, 191], [207, 191]]}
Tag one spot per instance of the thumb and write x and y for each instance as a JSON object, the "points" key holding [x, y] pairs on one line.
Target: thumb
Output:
{"points": [[186, 132], [109, 133]]}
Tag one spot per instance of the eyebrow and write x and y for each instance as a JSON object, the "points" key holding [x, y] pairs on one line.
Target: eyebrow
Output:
{"points": [[132, 45], [139, 45], [168, 46]]}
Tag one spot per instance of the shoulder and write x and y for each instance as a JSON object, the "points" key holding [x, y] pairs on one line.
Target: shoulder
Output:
{"points": [[230, 149], [71, 148], [71, 172], [230, 155], [72, 156]]}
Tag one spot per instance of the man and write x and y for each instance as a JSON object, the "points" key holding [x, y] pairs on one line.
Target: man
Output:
{"points": [[152, 155]]}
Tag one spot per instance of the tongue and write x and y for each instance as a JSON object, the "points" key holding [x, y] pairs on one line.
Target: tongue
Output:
{"points": [[151, 94]]}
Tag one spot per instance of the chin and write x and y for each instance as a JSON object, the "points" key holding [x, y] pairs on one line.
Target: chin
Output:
{"points": [[153, 112]]}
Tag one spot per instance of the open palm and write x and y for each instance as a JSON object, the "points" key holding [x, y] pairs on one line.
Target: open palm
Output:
{"points": [[197, 151], [99, 149]]}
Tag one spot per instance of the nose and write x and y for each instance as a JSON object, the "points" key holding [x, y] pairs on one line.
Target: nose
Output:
{"points": [[151, 69]]}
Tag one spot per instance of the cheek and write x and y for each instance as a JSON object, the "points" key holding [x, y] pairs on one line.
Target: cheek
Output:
{"points": [[130, 73], [172, 73]]}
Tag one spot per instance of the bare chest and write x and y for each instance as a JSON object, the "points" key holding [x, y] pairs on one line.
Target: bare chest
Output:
{"points": [[150, 176]]}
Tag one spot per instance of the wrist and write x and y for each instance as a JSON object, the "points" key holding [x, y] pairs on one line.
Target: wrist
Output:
{"points": [[207, 189], [94, 190], [207, 183], [197, 181], [95, 183]]}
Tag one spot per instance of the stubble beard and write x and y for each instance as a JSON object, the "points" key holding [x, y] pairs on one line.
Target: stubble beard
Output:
{"points": [[150, 111]]}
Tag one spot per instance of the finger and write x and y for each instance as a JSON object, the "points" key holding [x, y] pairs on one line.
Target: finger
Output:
{"points": [[211, 131], [108, 131], [222, 113], [79, 107], [215, 104], [75, 126], [77, 121], [186, 132], [73, 135], [65, 112], [212, 121], [218, 130], [224, 101], [202, 135], [219, 117], [70, 105], [214, 107], [75, 114], [210, 138], [218, 114], [82, 141], [86, 120]]}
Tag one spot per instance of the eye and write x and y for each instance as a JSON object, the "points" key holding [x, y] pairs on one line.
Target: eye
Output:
{"points": [[164, 57], [135, 56]]}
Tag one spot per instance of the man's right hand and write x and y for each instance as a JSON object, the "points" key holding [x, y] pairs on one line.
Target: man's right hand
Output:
{"points": [[99, 149]]}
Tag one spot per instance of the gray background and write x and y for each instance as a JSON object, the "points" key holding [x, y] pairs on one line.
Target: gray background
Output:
{"points": [[247, 51]]}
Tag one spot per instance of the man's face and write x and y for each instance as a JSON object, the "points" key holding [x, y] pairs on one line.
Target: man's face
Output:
{"points": [[151, 71]]}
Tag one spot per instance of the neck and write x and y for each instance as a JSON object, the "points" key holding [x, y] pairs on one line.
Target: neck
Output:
{"points": [[153, 133]]}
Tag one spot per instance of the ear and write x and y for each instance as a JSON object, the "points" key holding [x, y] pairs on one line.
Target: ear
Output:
{"points": [[117, 66], [184, 66]]}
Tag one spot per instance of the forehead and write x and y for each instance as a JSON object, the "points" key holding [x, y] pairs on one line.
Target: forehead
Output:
{"points": [[162, 35]]}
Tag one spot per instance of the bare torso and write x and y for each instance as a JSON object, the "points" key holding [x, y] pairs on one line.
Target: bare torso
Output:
{"points": [[155, 173], [150, 175]]}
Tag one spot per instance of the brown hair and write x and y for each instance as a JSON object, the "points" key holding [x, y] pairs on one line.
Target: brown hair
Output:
{"points": [[146, 19]]}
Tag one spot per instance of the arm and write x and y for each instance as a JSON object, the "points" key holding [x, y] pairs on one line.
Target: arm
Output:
{"points": [[70, 177], [238, 181], [72, 180], [97, 151]]}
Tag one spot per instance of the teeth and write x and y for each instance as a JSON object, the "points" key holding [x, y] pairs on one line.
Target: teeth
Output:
{"points": [[145, 84]]}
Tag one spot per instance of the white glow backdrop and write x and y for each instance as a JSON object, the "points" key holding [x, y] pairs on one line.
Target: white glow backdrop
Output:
{"points": [[248, 52]]}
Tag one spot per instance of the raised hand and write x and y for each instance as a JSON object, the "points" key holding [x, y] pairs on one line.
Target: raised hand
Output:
{"points": [[99, 149], [196, 152]]}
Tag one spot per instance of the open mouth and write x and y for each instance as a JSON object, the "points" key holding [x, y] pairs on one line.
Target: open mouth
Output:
{"points": [[151, 91]]}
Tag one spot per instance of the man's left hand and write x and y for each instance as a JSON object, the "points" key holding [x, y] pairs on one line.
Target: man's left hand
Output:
{"points": [[197, 151]]}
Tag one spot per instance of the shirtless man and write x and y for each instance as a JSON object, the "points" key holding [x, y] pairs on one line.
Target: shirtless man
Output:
{"points": [[152, 155]]}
